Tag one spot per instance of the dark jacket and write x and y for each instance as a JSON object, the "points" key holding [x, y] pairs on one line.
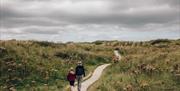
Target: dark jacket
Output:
{"points": [[71, 76], [80, 70]]}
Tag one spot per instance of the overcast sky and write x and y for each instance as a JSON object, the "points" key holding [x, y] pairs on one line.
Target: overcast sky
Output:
{"points": [[89, 20]]}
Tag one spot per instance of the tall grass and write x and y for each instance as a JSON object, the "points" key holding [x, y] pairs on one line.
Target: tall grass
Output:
{"points": [[43, 66], [37, 65], [153, 66]]}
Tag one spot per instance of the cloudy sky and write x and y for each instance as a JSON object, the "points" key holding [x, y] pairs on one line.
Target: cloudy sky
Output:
{"points": [[89, 20]]}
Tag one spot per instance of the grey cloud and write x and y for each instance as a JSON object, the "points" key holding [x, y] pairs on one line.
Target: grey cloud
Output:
{"points": [[136, 19], [31, 21], [173, 3], [23, 18], [91, 17], [60, 19], [41, 31], [82, 16]]}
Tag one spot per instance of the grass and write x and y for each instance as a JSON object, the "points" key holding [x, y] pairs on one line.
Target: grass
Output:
{"points": [[150, 67], [154, 67], [37, 65], [43, 66]]}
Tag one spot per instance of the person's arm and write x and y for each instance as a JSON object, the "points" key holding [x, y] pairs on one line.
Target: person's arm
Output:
{"points": [[75, 76], [84, 72]]}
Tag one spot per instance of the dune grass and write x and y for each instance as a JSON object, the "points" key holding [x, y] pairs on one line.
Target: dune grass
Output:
{"points": [[154, 67], [33, 65], [43, 66]]}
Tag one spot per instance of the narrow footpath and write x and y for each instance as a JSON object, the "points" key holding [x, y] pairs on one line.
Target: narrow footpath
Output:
{"points": [[95, 76]]}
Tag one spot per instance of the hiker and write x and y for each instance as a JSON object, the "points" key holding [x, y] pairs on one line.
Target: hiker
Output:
{"points": [[71, 78], [116, 56], [80, 73]]}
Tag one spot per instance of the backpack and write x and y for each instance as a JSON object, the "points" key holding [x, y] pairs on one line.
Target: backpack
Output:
{"points": [[79, 71]]}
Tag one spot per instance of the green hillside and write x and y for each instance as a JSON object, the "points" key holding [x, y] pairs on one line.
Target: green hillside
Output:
{"points": [[38, 66], [27, 64], [151, 66]]}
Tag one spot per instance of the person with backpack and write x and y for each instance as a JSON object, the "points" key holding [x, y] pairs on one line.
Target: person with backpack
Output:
{"points": [[80, 73], [71, 78]]}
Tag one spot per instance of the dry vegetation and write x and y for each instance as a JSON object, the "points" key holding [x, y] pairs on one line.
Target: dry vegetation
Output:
{"points": [[150, 66], [33, 65], [38, 66]]}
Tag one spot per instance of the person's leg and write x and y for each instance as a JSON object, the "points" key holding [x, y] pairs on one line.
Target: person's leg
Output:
{"points": [[79, 82], [72, 88], [72, 85]]}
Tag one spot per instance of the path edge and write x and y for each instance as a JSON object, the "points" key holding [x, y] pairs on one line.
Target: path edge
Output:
{"points": [[101, 74]]}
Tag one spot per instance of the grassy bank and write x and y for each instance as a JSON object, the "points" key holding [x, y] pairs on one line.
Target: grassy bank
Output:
{"points": [[154, 66], [146, 66], [33, 65]]}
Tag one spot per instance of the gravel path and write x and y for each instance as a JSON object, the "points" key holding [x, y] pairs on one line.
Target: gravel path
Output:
{"points": [[95, 76]]}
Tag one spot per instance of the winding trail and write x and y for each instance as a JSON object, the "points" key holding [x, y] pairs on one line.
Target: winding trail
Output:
{"points": [[95, 76]]}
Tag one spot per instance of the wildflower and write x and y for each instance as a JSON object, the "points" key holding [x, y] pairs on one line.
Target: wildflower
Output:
{"points": [[144, 84], [129, 87], [12, 89]]}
